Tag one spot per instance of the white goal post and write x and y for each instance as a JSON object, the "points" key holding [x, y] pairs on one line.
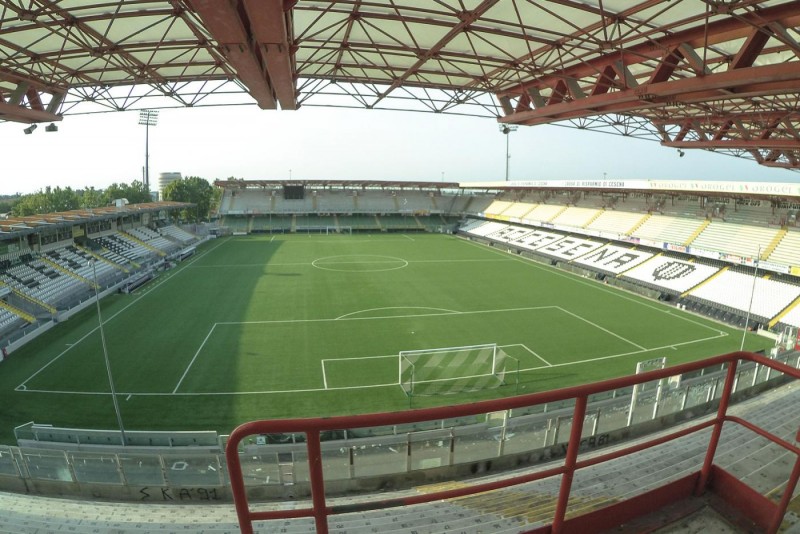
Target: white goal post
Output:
{"points": [[450, 370]]}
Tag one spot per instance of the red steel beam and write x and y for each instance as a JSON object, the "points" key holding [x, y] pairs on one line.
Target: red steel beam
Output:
{"points": [[10, 112], [774, 144], [746, 82], [271, 27], [729, 29], [748, 116], [229, 31]]}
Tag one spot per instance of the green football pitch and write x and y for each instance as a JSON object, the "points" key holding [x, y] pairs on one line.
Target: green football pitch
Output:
{"points": [[310, 325]]}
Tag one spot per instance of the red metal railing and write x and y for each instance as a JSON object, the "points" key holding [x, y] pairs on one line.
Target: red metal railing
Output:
{"points": [[765, 513]]}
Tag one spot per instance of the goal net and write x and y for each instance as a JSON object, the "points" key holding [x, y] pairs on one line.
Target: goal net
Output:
{"points": [[452, 370]]}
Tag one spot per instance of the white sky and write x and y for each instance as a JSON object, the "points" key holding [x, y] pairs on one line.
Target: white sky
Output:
{"points": [[326, 143]]}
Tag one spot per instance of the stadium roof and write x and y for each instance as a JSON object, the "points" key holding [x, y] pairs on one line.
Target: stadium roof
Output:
{"points": [[13, 226], [345, 184], [720, 75]]}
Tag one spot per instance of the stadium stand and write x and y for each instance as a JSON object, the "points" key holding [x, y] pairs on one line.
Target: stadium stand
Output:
{"points": [[487, 227], [569, 248], [737, 239], [498, 207], [518, 210], [668, 229], [617, 222], [336, 202], [544, 212], [788, 250], [614, 259], [575, 217], [792, 317], [732, 290], [672, 274], [181, 236]]}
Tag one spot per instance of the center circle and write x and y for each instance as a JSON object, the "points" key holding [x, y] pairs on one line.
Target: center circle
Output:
{"points": [[359, 263]]}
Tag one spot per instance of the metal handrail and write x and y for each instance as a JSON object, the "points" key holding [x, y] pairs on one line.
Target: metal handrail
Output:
{"points": [[312, 427]]}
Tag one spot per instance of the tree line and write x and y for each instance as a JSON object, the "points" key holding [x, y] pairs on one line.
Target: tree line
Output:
{"points": [[191, 189]]}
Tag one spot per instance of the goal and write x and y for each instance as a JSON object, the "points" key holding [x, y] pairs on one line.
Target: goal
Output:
{"points": [[339, 230], [452, 370]]}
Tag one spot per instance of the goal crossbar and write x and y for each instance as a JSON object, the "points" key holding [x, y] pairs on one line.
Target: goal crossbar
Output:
{"points": [[449, 370]]}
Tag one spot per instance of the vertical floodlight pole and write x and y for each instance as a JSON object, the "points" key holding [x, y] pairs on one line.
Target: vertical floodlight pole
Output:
{"points": [[105, 355], [506, 129], [752, 294], [147, 118]]}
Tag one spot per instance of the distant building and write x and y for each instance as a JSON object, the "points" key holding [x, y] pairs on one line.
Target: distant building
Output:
{"points": [[164, 179]]}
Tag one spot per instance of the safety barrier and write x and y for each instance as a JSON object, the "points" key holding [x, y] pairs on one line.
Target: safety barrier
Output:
{"points": [[764, 513]]}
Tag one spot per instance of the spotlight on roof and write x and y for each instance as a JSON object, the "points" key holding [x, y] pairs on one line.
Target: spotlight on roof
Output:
{"points": [[51, 127], [29, 130], [681, 153]]}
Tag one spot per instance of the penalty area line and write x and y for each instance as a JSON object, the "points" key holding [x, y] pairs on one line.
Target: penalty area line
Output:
{"points": [[524, 346], [606, 330]]}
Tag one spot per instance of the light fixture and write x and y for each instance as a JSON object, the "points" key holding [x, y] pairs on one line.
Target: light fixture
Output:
{"points": [[681, 153], [51, 127], [147, 118], [29, 130]]}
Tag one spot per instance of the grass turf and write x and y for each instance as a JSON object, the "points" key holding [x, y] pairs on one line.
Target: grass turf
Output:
{"points": [[308, 325]]}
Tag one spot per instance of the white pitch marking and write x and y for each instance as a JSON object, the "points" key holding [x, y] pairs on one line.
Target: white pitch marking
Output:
{"points": [[531, 351], [606, 330], [370, 386], [196, 354], [397, 308]]}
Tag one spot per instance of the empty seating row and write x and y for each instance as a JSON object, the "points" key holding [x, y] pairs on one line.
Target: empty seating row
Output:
{"points": [[618, 222], [575, 217], [497, 207], [124, 247], [8, 319], [518, 210], [739, 239], [788, 250], [80, 263], [144, 233], [544, 212], [178, 234], [734, 289], [792, 317], [663, 228]]}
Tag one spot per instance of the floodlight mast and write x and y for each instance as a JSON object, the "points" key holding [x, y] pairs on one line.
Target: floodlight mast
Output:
{"points": [[147, 118], [752, 294], [506, 129]]}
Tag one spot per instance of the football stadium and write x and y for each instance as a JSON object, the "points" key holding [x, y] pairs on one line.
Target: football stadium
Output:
{"points": [[360, 356]]}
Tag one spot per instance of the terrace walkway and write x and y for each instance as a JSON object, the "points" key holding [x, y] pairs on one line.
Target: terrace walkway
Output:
{"points": [[741, 452]]}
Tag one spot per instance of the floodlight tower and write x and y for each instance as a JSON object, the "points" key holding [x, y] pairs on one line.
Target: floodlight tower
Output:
{"points": [[147, 118], [506, 129]]}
